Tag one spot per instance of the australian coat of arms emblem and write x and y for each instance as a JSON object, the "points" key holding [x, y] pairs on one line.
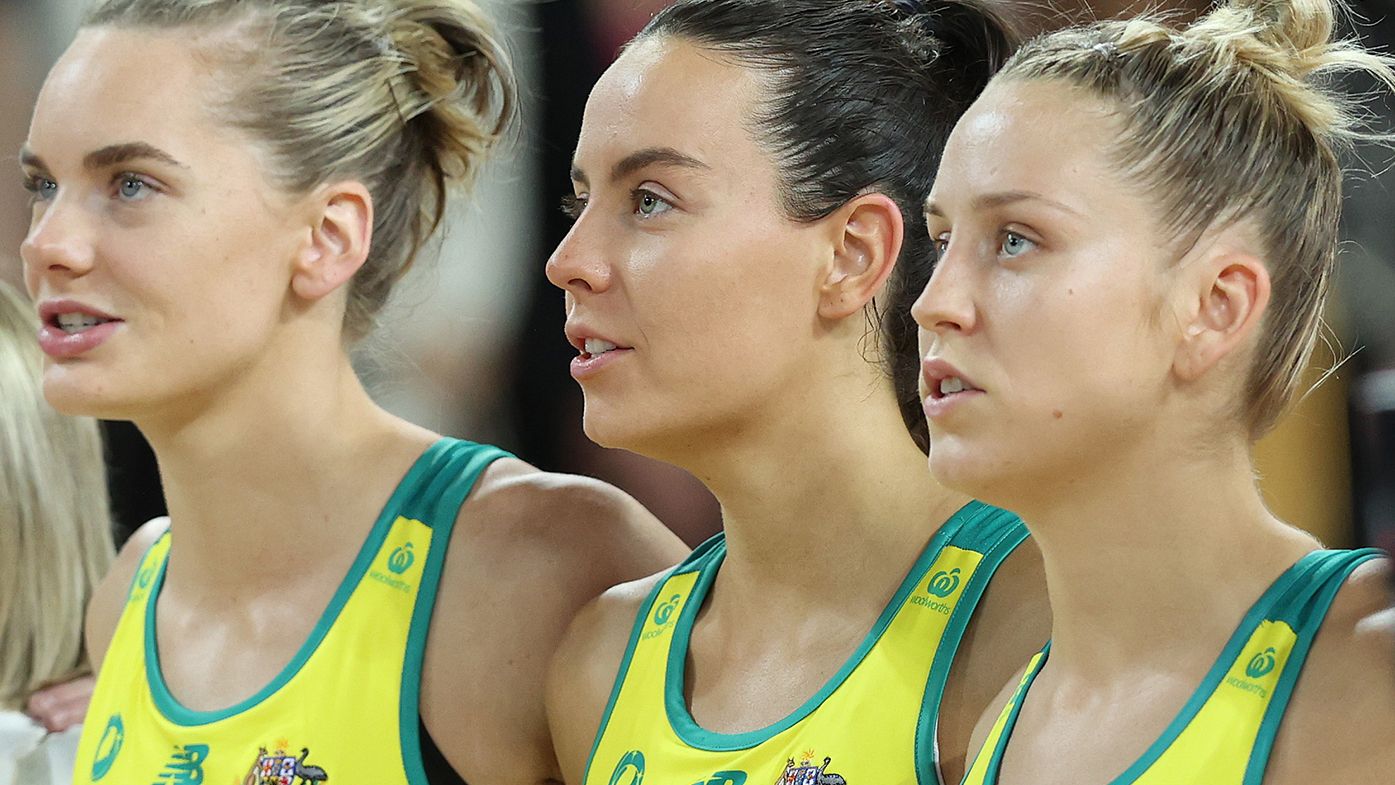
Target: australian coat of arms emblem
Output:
{"points": [[279, 768]]}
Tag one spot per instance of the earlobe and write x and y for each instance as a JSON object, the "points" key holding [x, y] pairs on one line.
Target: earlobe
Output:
{"points": [[1230, 307], [340, 233], [866, 245]]}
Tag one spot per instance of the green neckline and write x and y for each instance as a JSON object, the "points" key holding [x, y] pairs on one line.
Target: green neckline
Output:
{"points": [[1207, 687], [177, 713], [675, 703]]}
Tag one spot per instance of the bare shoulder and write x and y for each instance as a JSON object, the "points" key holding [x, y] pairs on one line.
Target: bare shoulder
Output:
{"points": [[1012, 622], [109, 595], [584, 669], [1340, 722], [529, 549]]}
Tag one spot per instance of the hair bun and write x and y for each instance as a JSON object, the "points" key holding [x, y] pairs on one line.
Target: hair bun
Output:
{"points": [[462, 89]]}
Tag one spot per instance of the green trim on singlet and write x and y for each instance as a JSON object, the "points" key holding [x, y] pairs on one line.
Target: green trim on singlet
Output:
{"points": [[177, 713], [694, 735], [1257, 613], [625, 667], [690, 563], [1305, 620], [446, 491], [996, 534], [995, 762]]}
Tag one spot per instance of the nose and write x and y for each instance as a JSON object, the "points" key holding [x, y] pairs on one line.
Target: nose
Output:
{"points": [[576, 265], [57, 244], [947, 302]]}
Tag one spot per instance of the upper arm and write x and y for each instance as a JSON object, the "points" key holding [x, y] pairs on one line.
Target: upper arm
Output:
{"points": [[109, 595], [530, 549], [583, 672]]}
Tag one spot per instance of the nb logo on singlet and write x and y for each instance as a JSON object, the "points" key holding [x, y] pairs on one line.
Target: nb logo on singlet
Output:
{"points": [[185, 766]]}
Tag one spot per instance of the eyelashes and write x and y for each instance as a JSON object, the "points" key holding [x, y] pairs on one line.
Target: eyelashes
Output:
{"points": [[572, 206], [644, 204]]}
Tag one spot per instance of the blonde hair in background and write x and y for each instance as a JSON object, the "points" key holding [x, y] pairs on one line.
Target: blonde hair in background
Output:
{"points": [[1235, 118], [406, 96], [55, 521]]}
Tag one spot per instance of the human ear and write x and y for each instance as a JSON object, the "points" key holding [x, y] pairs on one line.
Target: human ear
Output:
{"points": [[340, 232], [867, 241], [1230, 297]]}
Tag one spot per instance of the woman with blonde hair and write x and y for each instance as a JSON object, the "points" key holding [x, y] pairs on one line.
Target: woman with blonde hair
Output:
{"points": [[55, 544], [1136, 225], [225, 193]]}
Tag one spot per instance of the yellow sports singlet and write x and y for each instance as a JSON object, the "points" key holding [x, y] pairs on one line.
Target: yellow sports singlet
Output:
{"points": [[875, 721], [344, 710], [1224, 734]]}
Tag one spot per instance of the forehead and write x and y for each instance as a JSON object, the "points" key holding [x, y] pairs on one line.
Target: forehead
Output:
{"points": [[667, 92], [116, 85], [1040, 136]]}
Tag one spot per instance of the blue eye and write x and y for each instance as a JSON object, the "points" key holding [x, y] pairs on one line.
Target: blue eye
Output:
{"points": [[648, 204], [42, 188], [1015, 245], [132, 188]]}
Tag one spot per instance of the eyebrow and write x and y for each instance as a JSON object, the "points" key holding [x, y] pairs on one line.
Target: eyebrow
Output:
{"points": [[1002, 198], [111, 155], [649, 156]]}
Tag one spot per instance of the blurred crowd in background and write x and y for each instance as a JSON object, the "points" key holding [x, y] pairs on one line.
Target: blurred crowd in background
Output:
{"points": [[473, 346]]}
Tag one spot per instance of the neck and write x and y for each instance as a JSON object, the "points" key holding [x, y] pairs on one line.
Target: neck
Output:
{"points": [[276, 455], [1159, 550], [835, 481]]}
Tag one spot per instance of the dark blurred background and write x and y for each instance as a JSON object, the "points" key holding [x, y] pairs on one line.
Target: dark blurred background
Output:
{"points": [[472, 346]]}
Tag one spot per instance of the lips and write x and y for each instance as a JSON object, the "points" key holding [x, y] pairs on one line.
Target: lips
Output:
{"points": [[594, 352], [943, 380], [71, 328]]}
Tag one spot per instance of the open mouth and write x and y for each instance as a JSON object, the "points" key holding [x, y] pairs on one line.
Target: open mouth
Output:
{"points": [[595, 347], [73, 323], [951, 385]]}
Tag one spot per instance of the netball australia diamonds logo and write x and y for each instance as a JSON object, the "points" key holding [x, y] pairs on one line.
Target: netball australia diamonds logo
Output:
{"points": [[629, 770], [108, 747], [663, 616], [1261, 664]]}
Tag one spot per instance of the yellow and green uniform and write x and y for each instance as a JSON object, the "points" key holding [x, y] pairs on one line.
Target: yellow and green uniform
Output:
{"points": [[873, 723], [1225, 732], [344, 710]]}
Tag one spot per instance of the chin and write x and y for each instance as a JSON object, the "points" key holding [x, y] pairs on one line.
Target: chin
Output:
{"points": [[71, 391], [963, 468]]}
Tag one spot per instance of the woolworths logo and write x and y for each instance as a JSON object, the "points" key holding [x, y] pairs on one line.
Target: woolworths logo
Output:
{"points": [[942, 584], [1261, 664], [1258, 667]]}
